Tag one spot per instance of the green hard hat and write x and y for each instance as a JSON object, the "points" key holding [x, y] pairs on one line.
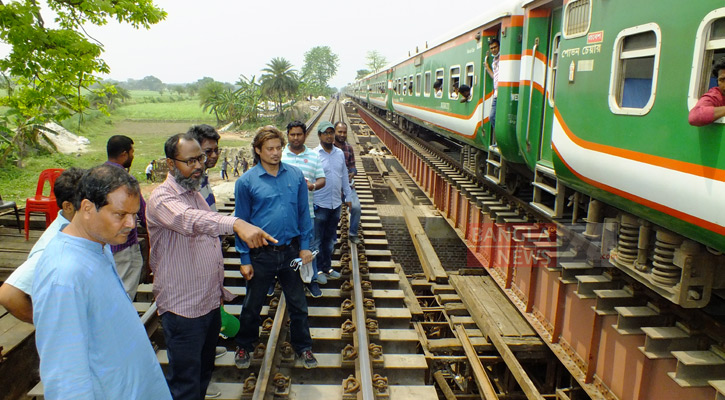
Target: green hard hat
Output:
{"points": [[230, 324]]}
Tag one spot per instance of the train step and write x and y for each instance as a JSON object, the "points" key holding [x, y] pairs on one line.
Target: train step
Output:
{"points": [[545, 181]]}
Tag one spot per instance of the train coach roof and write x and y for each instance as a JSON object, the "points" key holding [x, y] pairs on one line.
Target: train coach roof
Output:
{"points": [[500, 10]]}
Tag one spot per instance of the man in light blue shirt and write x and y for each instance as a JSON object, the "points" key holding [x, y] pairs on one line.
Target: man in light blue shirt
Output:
{"points": [[308, 161], [15, 293], [328, 201], [91, 342]]}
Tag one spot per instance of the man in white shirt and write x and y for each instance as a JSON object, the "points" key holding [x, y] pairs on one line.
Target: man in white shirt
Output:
{"points": [[16, 292]]}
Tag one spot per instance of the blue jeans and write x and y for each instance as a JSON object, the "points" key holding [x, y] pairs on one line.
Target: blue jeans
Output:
{"points": [[191, 344], [267, 264], [492, 115], [326, 221], [355, 212]]}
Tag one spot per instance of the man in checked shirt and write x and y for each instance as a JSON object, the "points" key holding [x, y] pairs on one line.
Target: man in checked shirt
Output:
{"points": [[188, 267]]}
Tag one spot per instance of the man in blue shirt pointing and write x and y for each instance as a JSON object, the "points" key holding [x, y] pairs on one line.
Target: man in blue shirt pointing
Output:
{"points": [[273, 196]]}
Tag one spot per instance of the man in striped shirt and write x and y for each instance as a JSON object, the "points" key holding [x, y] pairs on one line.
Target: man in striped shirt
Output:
{"points": [[304, 158], [188, 267]]}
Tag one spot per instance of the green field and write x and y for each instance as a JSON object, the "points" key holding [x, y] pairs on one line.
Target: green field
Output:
{"points": [[149, 124]]}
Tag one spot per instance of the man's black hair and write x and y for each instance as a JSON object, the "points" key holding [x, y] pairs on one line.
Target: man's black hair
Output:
{"points": [[171, 147], [204, 131], [719, 64], [296, 124], [464, 88], [66, 186], [494, 40], [99, 181], [438, 84], [117, 144]]}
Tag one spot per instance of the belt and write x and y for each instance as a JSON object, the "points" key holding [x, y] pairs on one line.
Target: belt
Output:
{"points": [[294, 243]]}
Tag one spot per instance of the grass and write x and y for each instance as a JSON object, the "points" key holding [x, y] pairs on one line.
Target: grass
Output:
{"points": [[148, 118], [186, 110], [148, 124]]}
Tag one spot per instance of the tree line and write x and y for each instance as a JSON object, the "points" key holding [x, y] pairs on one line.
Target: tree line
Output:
{"points": [[52, 73]]}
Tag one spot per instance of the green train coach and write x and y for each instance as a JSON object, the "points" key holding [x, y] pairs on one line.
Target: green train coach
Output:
{"points": [[592, 111]]}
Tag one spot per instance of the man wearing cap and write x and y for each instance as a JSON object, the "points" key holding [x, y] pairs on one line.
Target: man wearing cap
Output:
{"points": [[328, 201]]}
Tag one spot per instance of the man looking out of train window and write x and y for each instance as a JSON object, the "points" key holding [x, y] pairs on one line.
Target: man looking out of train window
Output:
{"points": [[711, 105], [494, 47], [465, 92]]}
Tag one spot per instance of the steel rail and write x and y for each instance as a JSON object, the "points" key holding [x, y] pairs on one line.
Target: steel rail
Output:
{"points": [[363, 361]]}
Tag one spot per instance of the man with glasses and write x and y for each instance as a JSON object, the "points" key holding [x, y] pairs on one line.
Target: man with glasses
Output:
{"points": [[208, 139], [188, 267]]}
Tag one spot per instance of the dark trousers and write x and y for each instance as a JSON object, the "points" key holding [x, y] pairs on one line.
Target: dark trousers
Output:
{"points": [[326, 221], [191, 344], [267, 264]]}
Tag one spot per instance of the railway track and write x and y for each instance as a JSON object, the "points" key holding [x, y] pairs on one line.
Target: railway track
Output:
{"points": [[594, 317]]}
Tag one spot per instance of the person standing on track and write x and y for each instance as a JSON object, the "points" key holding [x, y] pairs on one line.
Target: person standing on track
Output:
{"points": [[328, 201], [347, 150], [208, 139], [91, 342], [273, 195], [16, 292], [308, 161], [188, 267], [129, 261]]}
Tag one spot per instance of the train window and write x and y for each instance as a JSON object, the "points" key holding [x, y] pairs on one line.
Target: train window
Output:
{"points": [[427, 84], [405, 86], [577, 18], [398, 91], [709, 47], [551, 82], [634, 70], [417, 84], [454, 82], [438, 85], [410, 85], [470, 76]]}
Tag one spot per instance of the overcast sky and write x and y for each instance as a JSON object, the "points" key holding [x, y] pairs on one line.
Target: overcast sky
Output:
{"points": [[225, 38]]}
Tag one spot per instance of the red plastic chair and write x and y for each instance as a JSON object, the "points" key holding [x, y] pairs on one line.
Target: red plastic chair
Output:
{"points": [[43, 204]]}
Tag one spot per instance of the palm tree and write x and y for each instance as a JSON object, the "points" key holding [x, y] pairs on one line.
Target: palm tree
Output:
{"points": [[279, 79]]}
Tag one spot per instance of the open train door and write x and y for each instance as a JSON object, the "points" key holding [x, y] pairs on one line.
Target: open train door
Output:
{"points": [[539, 74], [552, 69]]}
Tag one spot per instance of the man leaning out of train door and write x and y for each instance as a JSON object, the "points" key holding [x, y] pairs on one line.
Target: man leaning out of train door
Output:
{"points": [[711, 105]]}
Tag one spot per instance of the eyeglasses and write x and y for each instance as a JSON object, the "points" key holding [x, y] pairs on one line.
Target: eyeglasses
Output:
{"points": [[210, 151], [190, 162]]}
